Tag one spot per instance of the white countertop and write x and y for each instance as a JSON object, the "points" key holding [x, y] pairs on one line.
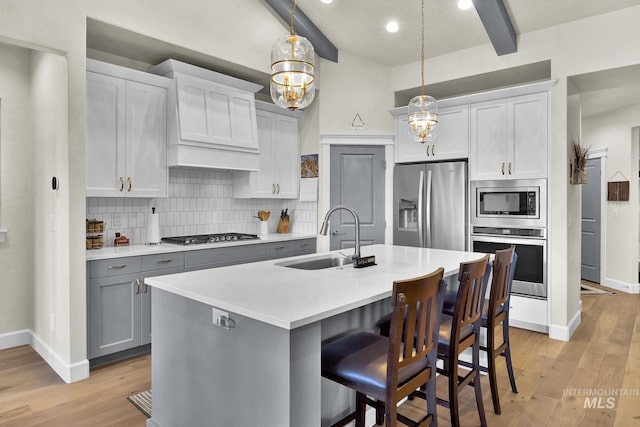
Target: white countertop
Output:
{"points": [[290, 298], [136, 250]]}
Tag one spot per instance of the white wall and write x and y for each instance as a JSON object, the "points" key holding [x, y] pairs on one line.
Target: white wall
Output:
{"points": [[614, 131], [16, 203], [49, 122]]}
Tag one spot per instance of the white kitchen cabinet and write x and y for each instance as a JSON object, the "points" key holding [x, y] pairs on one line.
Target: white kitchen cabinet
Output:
{"points": [[451, 137], [126, 132], [278, 134], [509, 138]]}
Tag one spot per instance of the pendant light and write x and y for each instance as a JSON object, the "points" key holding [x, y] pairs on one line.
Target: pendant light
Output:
{"points": [[292, 69], [423, 109]]}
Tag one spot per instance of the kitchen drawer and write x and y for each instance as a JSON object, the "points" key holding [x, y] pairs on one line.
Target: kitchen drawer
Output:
{"points": [[302, 247], [277, 249], [528, 313], [223, 255], [115, 266], [162, 261]]}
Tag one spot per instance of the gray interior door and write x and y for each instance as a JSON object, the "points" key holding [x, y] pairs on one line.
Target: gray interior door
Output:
{"points": [[591, 199], [357, 180]]}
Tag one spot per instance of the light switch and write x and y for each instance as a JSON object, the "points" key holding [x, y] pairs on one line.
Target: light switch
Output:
{"points": [[3, 235]]}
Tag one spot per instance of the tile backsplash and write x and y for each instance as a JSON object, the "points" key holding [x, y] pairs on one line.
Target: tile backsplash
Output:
{"points": [[199, 202]]}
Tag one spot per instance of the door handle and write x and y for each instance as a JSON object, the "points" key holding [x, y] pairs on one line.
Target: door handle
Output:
{"points": [[121, 184], [336, 233], [509, 168], [137, 286], [433, 147], [502, 167], [130, 184], [273, 189], [278, 187]]}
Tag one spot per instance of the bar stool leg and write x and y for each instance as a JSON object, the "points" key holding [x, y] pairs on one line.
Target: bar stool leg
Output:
{"points": [[491, 362], [476, 382], [507, 354], [361, 408], [453, 389]]}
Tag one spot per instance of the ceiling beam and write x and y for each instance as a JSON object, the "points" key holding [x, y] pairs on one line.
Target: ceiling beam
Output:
{"points": [[306, 28], [497, 23]]}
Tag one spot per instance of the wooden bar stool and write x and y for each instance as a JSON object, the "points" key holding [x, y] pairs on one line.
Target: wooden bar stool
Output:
{"points": [[496, 313], [461, 331], [389, 369]]}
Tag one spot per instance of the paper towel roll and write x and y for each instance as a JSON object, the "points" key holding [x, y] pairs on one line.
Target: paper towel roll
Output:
{"points": [[153, 229]]}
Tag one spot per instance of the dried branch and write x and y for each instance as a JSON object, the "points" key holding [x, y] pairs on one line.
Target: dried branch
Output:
{"points": [[580, 154]]}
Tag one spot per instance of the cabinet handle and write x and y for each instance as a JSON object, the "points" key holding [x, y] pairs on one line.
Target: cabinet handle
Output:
{"points": [[428, 155], [130, 184], [279, 248], [433, 146], [164, 261], [509, 168], [273, 189], [137, 286], [502, 168], [121, 184], [304, 245], [278, 186], [117, 267], [146, 288]]}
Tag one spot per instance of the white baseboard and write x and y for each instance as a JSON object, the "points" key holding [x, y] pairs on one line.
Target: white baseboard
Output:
{"points": [[521, 324], [15, 339], [630, 288], [564, 333], [68, 372]]}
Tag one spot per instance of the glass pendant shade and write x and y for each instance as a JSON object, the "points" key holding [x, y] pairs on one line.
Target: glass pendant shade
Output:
{"points": [[292, 72], [423, 118]]}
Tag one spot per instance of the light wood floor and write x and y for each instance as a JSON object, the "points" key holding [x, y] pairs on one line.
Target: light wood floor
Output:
{"points": [[603, 354]]}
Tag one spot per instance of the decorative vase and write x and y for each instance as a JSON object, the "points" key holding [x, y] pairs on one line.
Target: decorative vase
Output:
{"points": [[582, 177]]}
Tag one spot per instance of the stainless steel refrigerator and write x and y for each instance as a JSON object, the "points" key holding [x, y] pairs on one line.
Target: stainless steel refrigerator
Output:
{"points": [[430, 205]]}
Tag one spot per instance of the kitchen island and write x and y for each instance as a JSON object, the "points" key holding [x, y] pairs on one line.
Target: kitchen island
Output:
{"points": [[264, 368]]}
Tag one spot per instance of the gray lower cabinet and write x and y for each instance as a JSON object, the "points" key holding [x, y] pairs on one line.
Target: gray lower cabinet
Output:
{"points": [[119, 303]]}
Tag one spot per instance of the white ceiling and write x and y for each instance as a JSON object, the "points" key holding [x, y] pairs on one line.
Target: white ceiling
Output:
{"points": [[357, 26]]}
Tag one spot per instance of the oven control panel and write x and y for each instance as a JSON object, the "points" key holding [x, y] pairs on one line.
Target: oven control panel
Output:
{"points": [[536, 233]]}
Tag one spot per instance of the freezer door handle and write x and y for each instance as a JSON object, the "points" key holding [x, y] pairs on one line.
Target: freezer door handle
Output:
{"points": [[421, 210], [428, 209]]}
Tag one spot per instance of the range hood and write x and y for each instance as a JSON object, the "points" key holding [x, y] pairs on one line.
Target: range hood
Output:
{"points": [[211, 118]]}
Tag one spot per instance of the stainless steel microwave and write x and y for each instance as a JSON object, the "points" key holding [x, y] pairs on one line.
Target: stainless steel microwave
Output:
{"points": [[509, 203]]}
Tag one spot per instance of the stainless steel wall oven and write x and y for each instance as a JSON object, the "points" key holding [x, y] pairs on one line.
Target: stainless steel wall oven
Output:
{"points": [[530, 276]]}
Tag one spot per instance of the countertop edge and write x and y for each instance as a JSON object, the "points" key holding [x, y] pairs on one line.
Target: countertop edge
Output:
{"points": [[111, 252]]}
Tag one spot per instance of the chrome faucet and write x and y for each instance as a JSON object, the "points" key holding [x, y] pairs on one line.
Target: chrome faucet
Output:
{"points": [[325, 225]]}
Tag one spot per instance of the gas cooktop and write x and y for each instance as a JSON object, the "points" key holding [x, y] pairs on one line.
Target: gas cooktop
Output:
{"points": [[209, 238]]}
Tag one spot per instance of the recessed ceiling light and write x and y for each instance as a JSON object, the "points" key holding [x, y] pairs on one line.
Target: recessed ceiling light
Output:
{"points": [[465, 4], [326, 1], [392, 26]]}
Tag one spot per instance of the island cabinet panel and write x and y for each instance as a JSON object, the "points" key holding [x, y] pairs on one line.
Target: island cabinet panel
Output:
{"points": [[509, 138], [451, 137], [198, 364], [303, 247]]}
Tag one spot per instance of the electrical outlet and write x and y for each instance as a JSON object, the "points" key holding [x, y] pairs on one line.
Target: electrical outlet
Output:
{"points": [[221, 318]]}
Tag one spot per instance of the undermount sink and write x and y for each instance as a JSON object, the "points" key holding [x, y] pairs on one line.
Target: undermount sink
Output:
{"points": [[318, 263]]}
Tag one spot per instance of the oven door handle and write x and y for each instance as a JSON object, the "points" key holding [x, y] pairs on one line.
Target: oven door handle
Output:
{"points": [[421, 209], [428, 209]]}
